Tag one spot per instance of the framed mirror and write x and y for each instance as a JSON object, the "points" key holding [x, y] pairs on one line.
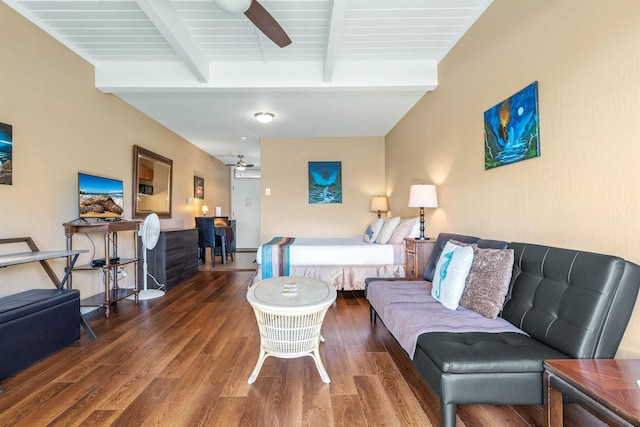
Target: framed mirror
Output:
{"points": [[152, 179]]}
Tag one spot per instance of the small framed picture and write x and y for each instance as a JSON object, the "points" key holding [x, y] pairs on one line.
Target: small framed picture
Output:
{"points": [[198, 187]]}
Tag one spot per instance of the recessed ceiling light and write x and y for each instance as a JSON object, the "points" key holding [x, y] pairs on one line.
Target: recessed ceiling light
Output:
{"points": [[264, 117]]}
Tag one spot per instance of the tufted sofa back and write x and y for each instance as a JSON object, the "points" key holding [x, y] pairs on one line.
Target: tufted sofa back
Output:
{"points": [[442, 240], [576, 302]]}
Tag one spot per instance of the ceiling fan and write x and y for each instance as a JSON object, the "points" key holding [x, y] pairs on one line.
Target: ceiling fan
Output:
{"points": [[259, 16], [240, 164]]}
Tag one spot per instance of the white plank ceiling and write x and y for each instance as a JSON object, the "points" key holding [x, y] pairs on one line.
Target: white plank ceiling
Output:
{"points": [[354, 67]]}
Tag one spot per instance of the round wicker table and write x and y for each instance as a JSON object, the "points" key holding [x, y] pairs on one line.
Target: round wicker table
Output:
{"points": [[290, 311]]}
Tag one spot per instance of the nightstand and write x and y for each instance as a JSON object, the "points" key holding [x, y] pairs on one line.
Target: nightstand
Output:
{"points": [[417, 253]]}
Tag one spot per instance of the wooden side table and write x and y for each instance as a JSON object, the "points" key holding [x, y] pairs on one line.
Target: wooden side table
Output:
{"points": [[416, 256], [608, 388]]}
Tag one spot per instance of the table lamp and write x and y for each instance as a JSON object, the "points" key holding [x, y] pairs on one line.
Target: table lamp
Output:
{"points": [[205, 209], [379, 203], [423, 196]]}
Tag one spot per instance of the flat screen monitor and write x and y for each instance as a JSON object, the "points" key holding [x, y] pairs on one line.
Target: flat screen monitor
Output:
{"points": [[100, 197]]}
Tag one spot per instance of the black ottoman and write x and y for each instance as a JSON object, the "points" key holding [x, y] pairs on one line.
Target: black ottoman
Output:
{"points": [[35, 324]]}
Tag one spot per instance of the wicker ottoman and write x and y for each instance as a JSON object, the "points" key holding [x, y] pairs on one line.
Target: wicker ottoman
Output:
{"points": [[289, 311]]}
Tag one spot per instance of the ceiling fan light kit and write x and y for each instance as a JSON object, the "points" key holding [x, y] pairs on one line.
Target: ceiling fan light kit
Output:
{"points": [[264, 117], [233, 6]]}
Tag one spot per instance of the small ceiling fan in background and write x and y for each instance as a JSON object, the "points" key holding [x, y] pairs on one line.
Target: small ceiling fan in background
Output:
{"points": [[240, 164], [259, 16]]}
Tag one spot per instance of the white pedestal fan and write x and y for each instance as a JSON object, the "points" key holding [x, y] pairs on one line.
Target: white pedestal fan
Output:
{"points": [[149, 233]]}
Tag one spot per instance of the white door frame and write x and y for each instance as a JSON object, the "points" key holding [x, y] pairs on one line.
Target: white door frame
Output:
{"points": [[245, 208]]}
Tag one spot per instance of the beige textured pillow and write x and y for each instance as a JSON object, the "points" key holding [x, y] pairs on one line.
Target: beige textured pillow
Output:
{"points": [[388, 228], [488, 281]]}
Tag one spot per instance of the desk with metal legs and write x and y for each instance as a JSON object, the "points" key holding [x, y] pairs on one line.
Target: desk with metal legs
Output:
{"points": [[36, 255]]}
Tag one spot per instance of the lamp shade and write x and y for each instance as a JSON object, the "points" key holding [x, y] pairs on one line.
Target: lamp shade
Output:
{"points": [[423, 196], [205, 209], [379, 203]]}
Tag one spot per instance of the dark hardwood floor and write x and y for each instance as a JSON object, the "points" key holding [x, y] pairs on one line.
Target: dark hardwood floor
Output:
{"points": [[184, 360]]}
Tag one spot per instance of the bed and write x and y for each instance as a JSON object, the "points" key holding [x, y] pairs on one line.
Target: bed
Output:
{"points": [[342, 262]]}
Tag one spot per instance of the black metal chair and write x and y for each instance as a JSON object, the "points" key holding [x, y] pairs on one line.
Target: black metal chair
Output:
{"points": [[206, 238]]}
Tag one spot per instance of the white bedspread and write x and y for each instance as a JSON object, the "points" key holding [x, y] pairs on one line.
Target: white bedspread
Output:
{"points": [[340, 251]]}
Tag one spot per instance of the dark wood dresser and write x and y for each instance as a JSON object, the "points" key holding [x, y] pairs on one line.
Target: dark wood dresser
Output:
{"points": [[173, 260]]}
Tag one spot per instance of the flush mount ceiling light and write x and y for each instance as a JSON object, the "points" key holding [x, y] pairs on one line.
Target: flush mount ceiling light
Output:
{"points": [[264, 117]]}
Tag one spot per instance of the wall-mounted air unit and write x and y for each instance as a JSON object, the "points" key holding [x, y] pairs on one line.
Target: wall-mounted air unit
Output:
{"points": [[247, 174]]}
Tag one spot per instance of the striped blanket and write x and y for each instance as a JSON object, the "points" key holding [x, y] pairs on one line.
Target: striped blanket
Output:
{"points": [[275, 257]]}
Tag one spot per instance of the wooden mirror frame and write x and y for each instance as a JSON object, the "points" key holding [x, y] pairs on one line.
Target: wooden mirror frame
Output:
{"points": [[150, 181]]}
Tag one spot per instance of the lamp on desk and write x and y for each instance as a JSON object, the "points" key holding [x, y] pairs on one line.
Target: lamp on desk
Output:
{"points": [[423, 196], [379, 203], [205, 209]]}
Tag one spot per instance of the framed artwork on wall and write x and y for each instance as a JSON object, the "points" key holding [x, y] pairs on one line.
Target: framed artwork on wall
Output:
{"points": [[198, 187], [6, 154], [325, 182], [512, 129]]}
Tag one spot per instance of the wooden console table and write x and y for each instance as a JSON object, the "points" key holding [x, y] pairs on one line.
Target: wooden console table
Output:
{"points": [[36, 255], [110, 230], [608, 388]]}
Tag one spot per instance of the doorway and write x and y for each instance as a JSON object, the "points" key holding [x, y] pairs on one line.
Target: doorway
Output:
{"points": [[245, 205]]}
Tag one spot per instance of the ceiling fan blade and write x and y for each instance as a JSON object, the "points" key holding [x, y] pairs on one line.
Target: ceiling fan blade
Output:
{"points": [[267, 24]]}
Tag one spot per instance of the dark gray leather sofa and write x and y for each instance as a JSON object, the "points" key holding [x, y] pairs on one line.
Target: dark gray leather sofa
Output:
{"points": [[572, 304], [34, 324]]}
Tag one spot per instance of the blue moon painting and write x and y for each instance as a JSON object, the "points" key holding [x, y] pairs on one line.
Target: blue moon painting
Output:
{"points": [[6, 154], [511, 129], [325, 182]]}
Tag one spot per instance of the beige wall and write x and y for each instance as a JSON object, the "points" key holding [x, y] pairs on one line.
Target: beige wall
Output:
{"points": [[583, 191], [62, 124], [284, 170]]}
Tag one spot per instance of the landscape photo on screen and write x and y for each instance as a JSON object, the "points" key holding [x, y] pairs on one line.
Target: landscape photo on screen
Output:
{"points": [[100, 197]]}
